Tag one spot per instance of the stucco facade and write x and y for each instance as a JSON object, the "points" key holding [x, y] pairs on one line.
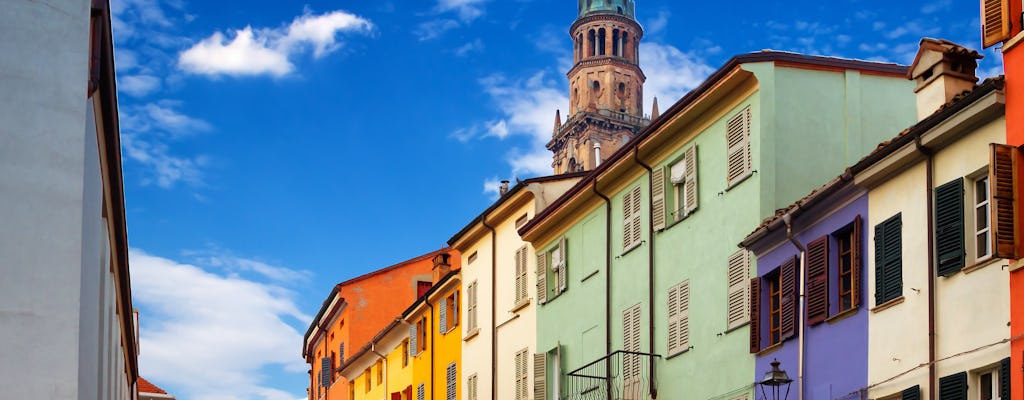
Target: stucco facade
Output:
{"points": [[435, 338], [382, 369]]}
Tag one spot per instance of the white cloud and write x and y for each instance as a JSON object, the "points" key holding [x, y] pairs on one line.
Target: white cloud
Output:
{"points": [[433, 29], [936, 6], [265, 51], [670, 73], [476, 45], [467, 10], [658, 24], [138, 85], [162, 117], [146, 131], [213, 336], [492, 188]]}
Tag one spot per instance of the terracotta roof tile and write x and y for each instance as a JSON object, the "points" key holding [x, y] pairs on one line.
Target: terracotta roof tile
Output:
{"points": [[146, 386]]}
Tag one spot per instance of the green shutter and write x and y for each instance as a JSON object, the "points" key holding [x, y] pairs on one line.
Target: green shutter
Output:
{"points": [[953, 387], [949, 227], [889, 259], [911, 393], [1004, 378]]}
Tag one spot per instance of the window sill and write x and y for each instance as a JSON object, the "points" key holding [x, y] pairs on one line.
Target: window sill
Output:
{"points": [[887, 305], [738, 181], [631, 248], [843, 315], [520, 305], [735, 328], [1017, 265], [980, 264], [677, 221], [590, 275], [770, 349], [471, 334], [679, 353], [450, 330]]}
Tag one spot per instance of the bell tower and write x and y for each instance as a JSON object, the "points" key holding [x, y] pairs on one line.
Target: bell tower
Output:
{"points": [[605, 86]]}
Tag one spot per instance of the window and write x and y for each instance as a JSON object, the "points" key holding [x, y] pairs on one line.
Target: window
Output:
{"points": [[420, 392], [521, 221], [418, 337], [774, 308], [949, 227], [849, 260], [953, 387], [739, 288], [737, 137], [631, 223], [993, 382], [405, 353], [631, 343], [982, 220], [1003, 173], [366, 380], [451, 385], [552, 267], [521, 296], [471, 306], [888, 260], [472, 257], [471, 387], [380, 372], [843, 274], [522, 382], [334, 366], [448, 317], [679, 318], [677, 198], [780, 304]]}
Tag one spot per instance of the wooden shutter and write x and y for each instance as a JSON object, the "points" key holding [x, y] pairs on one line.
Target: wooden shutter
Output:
{"points": [[888, 259], [817, 280], [658, 214], [542, 275], [325, 371], [690, 183], [949, 227], [413, 338], [451, 382], [911, 393], [855, 255], [1004, 379], [995, 22], [1004, 167], [953, 387], [788, 304], [738, 299], [627, 212], [540, 378], [562, 253], [755, 315], [679, 318], [738, 144], [442, 325]]}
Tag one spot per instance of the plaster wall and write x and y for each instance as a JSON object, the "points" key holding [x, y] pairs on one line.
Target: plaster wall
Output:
{"points": [[517, 328], [1013, 65], [476, 345]]}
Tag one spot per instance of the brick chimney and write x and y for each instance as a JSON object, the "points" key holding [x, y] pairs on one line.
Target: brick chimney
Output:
{"points": [[442, 265], [941, 70]]}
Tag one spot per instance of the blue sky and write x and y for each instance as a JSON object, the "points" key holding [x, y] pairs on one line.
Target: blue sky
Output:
{"points": [[272, 149]]}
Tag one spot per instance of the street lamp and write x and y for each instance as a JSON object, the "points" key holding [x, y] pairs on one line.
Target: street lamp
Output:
{"points": [[775, 379]]}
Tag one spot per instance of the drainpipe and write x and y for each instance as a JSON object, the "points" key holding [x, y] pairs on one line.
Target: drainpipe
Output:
{"points": [[607, 281], [494, 322], [929, 167], [431, 306], [788, 220], [373, 349], [650, 267]]}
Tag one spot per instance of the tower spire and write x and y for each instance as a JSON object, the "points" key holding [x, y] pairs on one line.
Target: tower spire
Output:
{"points": [[654, 110], [558, 123]]}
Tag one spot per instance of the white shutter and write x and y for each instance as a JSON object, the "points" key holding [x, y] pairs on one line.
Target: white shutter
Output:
{"points": [[451, 382], [442, 325], [679, 317], [540, 379], [738, 142], [413, 337], [637, 229], [542, 274], [631, 343], [739, 287], [471, 305], [562, 265], [673, 319], [690, 180], [520, 272], [471, 387], [658, 198], [627, 212]]}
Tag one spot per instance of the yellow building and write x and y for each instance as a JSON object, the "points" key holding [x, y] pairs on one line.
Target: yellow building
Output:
{"points": [[435, 340], [381, 369]]}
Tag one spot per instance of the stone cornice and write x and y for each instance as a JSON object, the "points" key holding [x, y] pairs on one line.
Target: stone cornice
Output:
{"points": [[606, 60], [607, 17]]}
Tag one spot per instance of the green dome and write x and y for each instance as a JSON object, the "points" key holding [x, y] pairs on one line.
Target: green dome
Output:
{"points": [[624, 7]]}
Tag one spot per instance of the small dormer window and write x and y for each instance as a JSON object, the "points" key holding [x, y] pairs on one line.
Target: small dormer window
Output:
{"points": [[926, 75]]}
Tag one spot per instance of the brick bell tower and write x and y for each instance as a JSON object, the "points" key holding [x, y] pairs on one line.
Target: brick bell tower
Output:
{"points": [[606, 86]]}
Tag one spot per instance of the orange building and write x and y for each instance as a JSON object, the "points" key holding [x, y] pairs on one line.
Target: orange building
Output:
{"points": [[1001, 25], [355, 311]]}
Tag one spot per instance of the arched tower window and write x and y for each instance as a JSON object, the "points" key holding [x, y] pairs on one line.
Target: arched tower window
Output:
{"points": [[616, 44], [579, 47], [620, 9], [625, 43], [600, 41], [591, 46]]}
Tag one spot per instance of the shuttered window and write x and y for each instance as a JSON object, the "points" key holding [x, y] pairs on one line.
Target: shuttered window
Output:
{"points": [[1004, 379], [542, 277], [953, 387], [521, 374], [911, 393], [995, 22], [341, 353], [1004, 167], [679, 318], [442, 323], [755, 315], [540, 378], [471, 387], [325, 371], [737, 138], [687, 192], [559, 266], [949, 227], [658, 199], [789, 281], [738, 297], [848, 243], [889, 259], [631, 219], [631, 343], [420, 392], [451, 382], [520, 277], [471, 306], [817, 280], [413, 336]]}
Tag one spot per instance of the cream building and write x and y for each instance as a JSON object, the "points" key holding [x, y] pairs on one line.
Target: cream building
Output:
{"points": [[958, 291], [499, 283]]}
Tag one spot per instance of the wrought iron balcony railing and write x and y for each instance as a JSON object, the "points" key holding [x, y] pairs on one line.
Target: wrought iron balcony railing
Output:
{"points": [[621, 375]]}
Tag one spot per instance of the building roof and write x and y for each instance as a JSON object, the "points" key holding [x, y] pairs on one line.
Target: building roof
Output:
{"points": [[145, 386], [959, 102], [787, 58]]}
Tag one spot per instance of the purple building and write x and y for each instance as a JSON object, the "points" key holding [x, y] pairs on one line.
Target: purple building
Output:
{"points": [[813, 250]]}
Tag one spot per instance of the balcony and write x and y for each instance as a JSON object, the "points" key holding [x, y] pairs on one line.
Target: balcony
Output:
{"points": [[621, 375]]}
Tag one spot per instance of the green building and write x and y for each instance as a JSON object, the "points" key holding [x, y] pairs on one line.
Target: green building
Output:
{"points": [[642, 288]]}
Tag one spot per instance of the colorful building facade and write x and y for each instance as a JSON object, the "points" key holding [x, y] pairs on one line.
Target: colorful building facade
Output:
{"points": [[645, 268], [382, 368], [435, 337]]}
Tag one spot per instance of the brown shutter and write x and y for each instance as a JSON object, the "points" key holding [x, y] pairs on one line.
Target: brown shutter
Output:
{"points": [[755, 315], [855, 255], [817, 280], [1004, 167], [995, 22], [788, 304], [658, 198]]}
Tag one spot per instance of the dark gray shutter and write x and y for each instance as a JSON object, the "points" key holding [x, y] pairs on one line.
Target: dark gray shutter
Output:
{"points": [[341, 353], [413, 337], [451, 384], [889, 259], [953, 387], [949, 227], [325, 371], [817, 280], [442, 326], [788, 279], [911, 393], [420, 392], [1004, 378]]}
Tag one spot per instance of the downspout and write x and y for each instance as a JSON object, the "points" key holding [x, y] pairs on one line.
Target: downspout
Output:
{"points": [[788, 220], [373, 349], [431, 306], [650, 268], [607, 281], [494, 322], [929, 166]]}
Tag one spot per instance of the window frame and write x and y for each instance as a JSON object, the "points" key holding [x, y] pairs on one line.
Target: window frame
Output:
{"points": [[773, 282], [974, 205]]}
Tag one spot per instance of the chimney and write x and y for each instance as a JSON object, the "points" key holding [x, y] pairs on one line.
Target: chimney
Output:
{"points": [[941, 70], [597, 154], [442, 265], [503, 189]]}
